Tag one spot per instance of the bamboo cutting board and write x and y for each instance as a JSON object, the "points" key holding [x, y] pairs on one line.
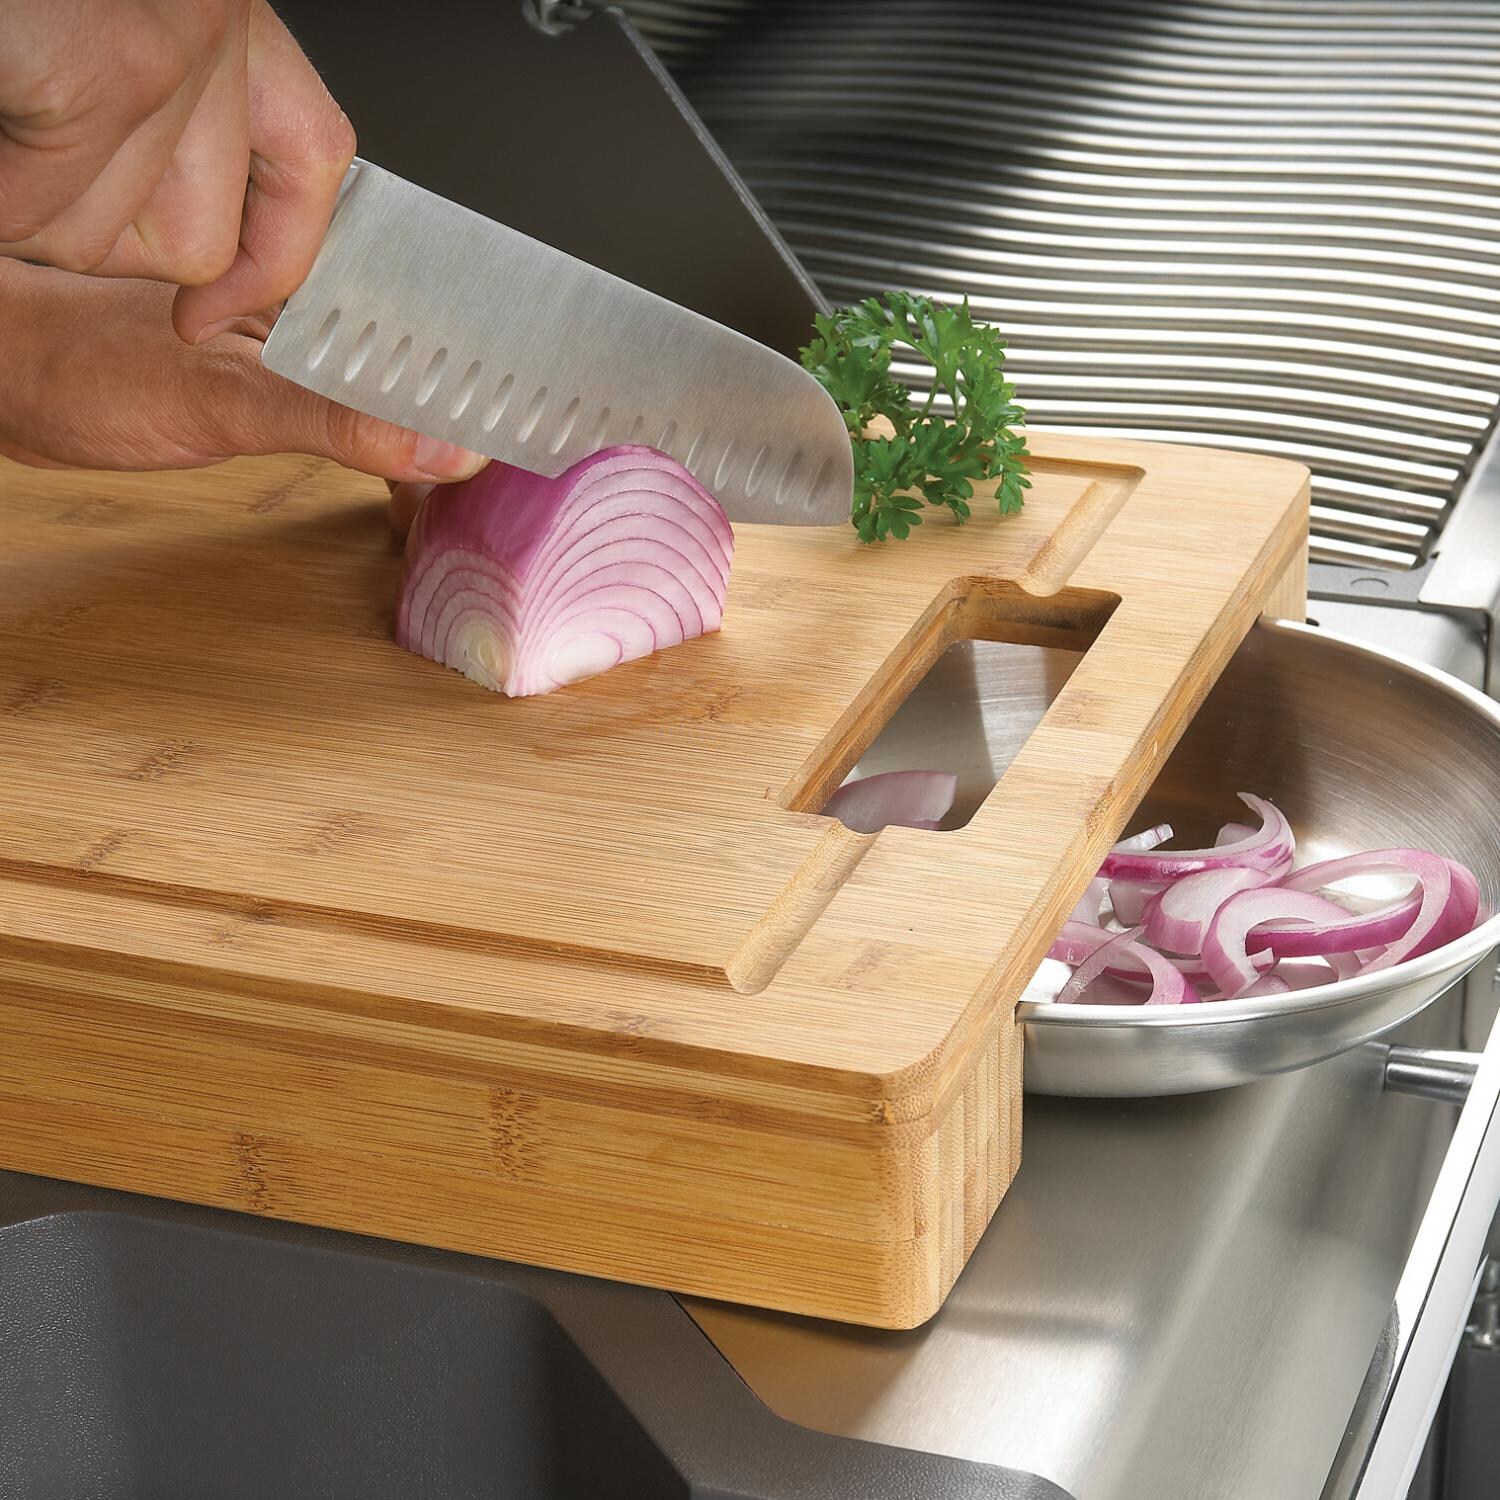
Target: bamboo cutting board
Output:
{"points": [[296, 923]]}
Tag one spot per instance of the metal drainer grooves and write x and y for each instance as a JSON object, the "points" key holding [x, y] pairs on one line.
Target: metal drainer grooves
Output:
{"points": [[1273, 228]]}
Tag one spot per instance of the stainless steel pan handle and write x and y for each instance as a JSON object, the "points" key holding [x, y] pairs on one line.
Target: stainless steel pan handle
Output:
{"points": [[1430, 1073]]}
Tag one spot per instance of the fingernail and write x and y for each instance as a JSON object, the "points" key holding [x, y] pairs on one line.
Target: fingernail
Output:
{"points": [[439, 460], [213, 330]]}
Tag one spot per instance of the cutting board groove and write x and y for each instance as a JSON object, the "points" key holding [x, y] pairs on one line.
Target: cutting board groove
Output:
{"points": [[299, 924]]}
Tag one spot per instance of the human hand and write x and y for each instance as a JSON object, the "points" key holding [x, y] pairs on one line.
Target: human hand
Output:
{"points": [[92, 376], [188, 141]]}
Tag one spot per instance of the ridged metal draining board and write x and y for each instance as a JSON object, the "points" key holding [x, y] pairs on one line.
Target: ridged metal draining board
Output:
{"points": [[1273, 226]]}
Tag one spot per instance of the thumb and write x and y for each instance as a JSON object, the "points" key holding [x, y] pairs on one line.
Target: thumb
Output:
{"points": [[283, 417]]}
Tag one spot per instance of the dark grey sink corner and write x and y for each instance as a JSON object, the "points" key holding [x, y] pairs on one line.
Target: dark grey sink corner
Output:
{"points": [[150, 1351]]}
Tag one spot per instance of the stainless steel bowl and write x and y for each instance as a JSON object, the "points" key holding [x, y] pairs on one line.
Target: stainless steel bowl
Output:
{"points": [[1361, 749]]}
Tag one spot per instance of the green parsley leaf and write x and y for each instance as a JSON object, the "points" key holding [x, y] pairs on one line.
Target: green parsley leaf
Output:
{"points": [[928, 459]]}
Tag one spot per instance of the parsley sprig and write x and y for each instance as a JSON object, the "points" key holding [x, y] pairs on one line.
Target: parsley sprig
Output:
{"points": [[928, 459]]}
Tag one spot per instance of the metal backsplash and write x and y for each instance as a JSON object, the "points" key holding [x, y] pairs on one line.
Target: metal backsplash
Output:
{"points": [[1267, 224]]}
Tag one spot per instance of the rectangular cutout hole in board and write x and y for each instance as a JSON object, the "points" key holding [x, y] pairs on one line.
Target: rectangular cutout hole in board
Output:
{"points": [[978, 703], [970, 715]]}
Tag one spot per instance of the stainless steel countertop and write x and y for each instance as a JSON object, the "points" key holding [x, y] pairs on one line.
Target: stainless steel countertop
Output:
{"points": [[1178, 1298]]}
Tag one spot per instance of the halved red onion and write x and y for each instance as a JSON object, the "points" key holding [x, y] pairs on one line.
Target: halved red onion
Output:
{"points": [[1270, 846], [1225, 945], [910, 799], [1094, 951], [526, 584]]}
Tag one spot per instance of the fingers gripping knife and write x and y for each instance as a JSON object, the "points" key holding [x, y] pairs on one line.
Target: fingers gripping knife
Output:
{"points": [[429, 315]]}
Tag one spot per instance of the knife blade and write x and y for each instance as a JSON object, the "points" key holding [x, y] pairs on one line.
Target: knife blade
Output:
{"points": [[426, 314], [627, 138]]}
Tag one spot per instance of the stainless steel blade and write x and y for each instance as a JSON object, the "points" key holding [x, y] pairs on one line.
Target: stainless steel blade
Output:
{"points": [[427, 314]]}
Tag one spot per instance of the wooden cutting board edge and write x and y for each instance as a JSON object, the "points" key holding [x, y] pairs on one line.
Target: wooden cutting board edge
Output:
{"points": [[941, 1134]]}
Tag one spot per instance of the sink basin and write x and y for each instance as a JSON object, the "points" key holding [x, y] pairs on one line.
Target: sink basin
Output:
{"points": [[1360, 748], [154, 1351], [148, 1359]]}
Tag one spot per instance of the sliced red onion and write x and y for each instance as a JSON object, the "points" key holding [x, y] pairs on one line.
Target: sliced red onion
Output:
{"points": [[1270, 846], [1179, 917], [1196, 899], [1267, 984], [526, 584], [1279, 979], [913, 799], [1462, 915], [1348, 933], [1446, 903], [1094, 951], [1091, 903], [1149, 838], [1344, 965], [1197, 975], [1128, 899], [1077, 940], [1225, 952], [1208, 908]]}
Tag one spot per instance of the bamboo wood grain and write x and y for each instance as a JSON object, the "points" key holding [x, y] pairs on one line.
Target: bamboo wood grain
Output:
{"points": [[295, 923]]}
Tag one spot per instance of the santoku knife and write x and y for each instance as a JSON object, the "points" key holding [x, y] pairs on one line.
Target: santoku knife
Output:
{"points": [[429, 315]]}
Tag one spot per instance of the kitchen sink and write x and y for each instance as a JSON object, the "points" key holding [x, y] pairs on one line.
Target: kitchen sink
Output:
{"points": [[150, 1351], [144, 1358]]}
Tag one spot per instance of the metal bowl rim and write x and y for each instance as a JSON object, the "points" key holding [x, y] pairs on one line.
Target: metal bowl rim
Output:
{"points": [[1459, 955]]}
